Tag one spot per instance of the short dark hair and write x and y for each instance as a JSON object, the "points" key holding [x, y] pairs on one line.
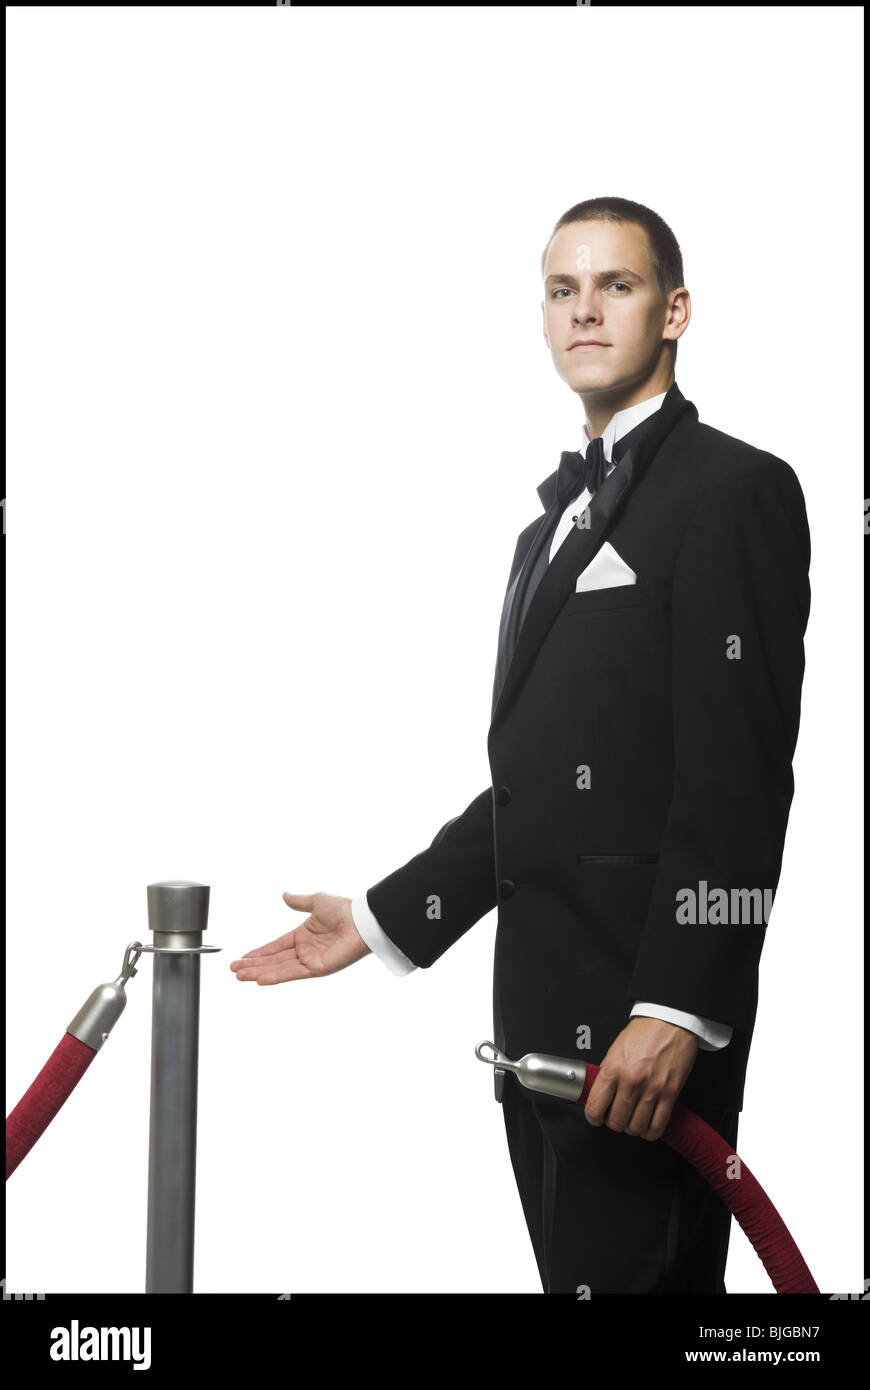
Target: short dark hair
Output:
{"points": [[665, 254]]}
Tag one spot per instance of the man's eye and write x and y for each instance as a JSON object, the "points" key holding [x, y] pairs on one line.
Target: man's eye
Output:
{"points": [[564, 288]]}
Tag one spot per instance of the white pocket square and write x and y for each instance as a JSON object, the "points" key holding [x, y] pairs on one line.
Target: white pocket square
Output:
{"points": [[605, 570]]}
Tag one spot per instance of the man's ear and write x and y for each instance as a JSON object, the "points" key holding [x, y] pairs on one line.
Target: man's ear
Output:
{"points": [[544, 318]]}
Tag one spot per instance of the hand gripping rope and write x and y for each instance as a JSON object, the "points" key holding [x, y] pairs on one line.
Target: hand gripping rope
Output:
{"points": [[699, 1143]]}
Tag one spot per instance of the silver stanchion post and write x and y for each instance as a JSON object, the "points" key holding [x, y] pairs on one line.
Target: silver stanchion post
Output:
{"points": [[177, 915]]}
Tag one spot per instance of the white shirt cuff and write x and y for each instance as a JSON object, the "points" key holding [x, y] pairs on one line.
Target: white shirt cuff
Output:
{"points": [[711, 1036], [367, 925]]}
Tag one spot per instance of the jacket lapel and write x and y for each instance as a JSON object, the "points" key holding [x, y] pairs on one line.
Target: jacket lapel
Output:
{"points": [[582, 542]]}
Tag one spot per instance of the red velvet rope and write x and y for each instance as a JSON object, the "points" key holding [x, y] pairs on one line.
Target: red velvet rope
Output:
{"points": [[40, 1103], [742, 1193], [686, 1133]]}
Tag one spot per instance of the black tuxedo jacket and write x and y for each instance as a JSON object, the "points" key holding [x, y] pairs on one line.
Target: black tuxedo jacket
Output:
{"points": [[688, 740]]}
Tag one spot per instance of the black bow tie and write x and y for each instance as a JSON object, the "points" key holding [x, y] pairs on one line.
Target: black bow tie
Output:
{"points": [[576, 471]]}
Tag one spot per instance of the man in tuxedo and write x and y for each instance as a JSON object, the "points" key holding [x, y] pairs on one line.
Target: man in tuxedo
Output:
{"points": [[645, 714]]}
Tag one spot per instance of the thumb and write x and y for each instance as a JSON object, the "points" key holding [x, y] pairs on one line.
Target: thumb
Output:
{"points": [[301, 901]]}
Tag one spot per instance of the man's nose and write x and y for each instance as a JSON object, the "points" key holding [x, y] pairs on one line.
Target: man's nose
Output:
{"points": [[587, 308]]}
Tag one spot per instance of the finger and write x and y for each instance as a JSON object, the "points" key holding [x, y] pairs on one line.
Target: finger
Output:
{"points": [[267, 958], [281, 943], [661, 1119], [302, 902], [622, 1106], [639, 1122], [269, 973], [600, 1096]]}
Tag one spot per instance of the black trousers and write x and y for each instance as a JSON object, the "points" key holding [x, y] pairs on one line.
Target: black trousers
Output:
{"points": [[608, 1212]]}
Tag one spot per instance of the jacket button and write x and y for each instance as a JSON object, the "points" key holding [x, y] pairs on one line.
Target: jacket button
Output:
{"points": [[507, 888], [503, 796]]}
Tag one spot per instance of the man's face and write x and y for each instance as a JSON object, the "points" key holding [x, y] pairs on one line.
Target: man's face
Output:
{"points": [[599, 284]]}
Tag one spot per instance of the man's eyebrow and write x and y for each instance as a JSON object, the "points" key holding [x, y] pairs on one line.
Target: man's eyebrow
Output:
{"points": [[615, 274]]}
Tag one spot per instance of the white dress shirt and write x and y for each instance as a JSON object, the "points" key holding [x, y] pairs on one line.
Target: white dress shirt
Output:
{"points": [[711, 1036]]}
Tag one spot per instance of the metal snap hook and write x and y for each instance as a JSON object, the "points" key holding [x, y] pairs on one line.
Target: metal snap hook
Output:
{"points": [[128, 969], [498, 1058]]}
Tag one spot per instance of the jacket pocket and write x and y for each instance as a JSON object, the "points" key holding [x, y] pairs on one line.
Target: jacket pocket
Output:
{"points": [[604, 600], [617, 859]]}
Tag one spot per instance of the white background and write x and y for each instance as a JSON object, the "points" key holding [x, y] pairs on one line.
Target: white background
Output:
{"points": [[278, 405]]}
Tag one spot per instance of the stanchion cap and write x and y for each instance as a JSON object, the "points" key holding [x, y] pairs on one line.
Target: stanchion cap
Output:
{"points": [[178, 906]]}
